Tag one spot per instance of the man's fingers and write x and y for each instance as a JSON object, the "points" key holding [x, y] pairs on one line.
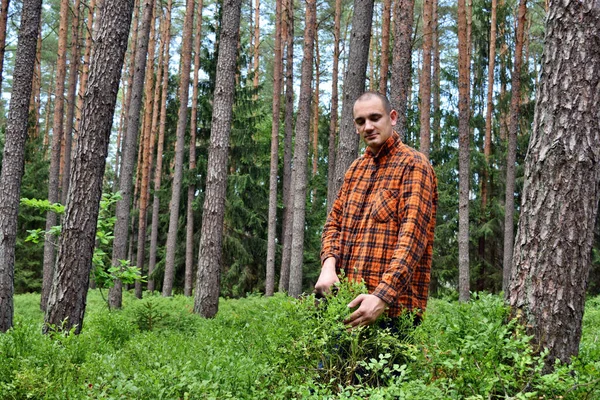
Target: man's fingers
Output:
{"points": [[356, 301]]}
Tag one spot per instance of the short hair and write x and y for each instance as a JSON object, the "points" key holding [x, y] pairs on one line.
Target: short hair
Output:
{"points": [[384, 100]]}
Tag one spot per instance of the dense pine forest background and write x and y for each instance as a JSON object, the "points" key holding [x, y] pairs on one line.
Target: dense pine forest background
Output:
{"points": [[245, 227]]}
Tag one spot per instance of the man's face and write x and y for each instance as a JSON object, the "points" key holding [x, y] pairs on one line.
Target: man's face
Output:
{"points": [[373, 123]]}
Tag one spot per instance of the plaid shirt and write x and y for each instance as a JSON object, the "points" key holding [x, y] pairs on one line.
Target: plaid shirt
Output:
{"points": [[380, 228]]}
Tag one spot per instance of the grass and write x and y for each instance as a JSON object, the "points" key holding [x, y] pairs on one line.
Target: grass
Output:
{"points": [[281, 348]]}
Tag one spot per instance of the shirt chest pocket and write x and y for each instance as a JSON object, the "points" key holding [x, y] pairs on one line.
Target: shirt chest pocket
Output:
{"points": [[385, 205]]}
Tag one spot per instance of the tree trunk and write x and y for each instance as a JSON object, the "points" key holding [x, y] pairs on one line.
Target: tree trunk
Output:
{"points": [[435, 86], [301, 151], [57, 133], [425, 81], [276, 108], [160, 147], [206, 302], [385, 46], [315, 115], [288, 209], [354, 86], [123, 207], [87, 32], [3, 21], [463, 151], [487, 147], [256, 43], [71, 99], [13, 161], [511, 153], [554, 239], [67, 300], [401, 61], [184, 89], [189, 233], [147, 154], [333, 121]]}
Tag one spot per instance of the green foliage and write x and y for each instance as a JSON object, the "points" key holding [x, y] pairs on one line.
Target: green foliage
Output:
{"points": [[259, 348]]}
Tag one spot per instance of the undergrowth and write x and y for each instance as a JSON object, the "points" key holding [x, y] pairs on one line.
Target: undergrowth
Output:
{"points": [[281, 348]]}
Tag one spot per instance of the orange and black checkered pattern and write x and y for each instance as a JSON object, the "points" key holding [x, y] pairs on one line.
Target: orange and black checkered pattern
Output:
{"points": [[380, 228]]}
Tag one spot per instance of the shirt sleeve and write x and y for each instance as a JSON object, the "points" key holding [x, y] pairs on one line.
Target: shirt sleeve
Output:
{"points": [[330, 239], [416, 212]]}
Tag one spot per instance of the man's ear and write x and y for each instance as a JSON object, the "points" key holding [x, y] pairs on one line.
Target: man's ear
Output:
{"points": [[394, 117]]}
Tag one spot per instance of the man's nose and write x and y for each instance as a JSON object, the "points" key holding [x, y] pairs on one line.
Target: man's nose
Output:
{"points": [[368, 126]]}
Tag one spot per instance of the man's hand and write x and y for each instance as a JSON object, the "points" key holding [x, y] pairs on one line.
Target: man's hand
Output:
{"points": [[370, 308], [327, 278]]}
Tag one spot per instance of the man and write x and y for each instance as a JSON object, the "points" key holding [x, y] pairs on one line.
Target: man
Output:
{"points": [[380, 228]]}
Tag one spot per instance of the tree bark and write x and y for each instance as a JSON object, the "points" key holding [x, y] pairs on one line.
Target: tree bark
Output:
{"points": [[511, 153], [13, 161], [425, 81], [147, 155], [184, 89], [57, 133], [256, 44], [435, 86], [354, 86], [487, 148], [123, 207], [71, 99], [562, 184], [315, 115], [288, 182], [206, 302], [67, 300], [160, 147], [463, 150], [401, 61], [333, 121], [385, 46], [189, 233], [3, 22], [276, 111], [301, 151]]}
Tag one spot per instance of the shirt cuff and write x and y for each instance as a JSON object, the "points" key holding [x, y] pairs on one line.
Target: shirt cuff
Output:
{"points": [[386, 293]]}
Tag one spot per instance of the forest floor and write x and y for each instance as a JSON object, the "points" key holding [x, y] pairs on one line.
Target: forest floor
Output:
{"points": [[282, 348]]}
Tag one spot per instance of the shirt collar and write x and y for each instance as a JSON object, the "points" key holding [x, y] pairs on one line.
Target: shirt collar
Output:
{"points": [[390, 144]]}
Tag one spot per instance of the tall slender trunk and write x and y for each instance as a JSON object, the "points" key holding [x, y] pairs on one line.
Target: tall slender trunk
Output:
{"points": [[333, 119], [160, 147], [315, 116], [301, 151], [123, 207], [206, 302], [147, 154], [71, 99], [487, 147], [288, 209], [3, 21], [13, 161], [425, 81], [385, 46], [401, 61], [189, 232], [435, 85], [85, 68], [463, 150], [276, 111], [184, 89], [57, 133], [354, 86], [256, 44], [511, 153], [67, 300]]}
